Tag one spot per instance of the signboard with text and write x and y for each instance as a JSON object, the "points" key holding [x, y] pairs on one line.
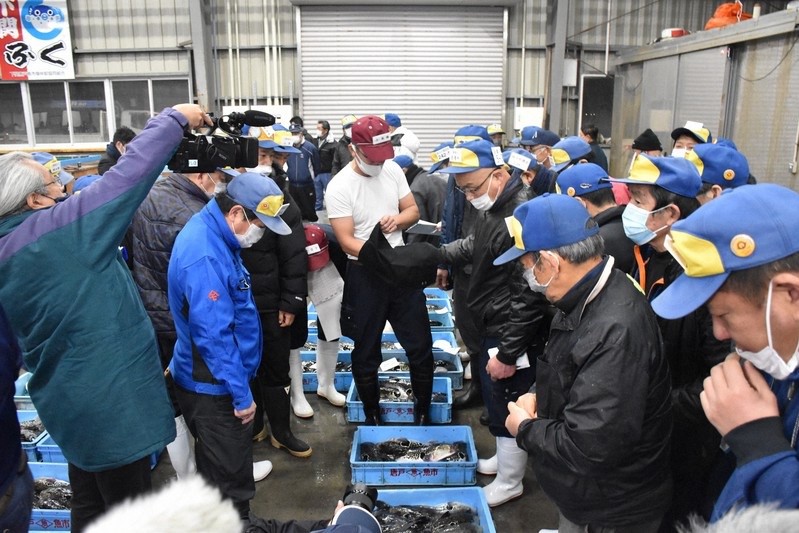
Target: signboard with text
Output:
{"points": [[34, 40]]}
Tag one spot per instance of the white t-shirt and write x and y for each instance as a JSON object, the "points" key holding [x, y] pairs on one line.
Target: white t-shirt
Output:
{"points": [[367, 199]]}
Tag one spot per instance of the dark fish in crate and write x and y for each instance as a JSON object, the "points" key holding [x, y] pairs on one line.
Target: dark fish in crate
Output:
{"points": [[369, 452], [51, 493], [439, 452], [393, 346], [345, 346], [309, 346], [443, 366], [309, 366], [439, 397], [446, 518], [42, 483], [435, 309], [436, 323], [341, 366], [312, 323], [396, 390], [30, 430]]}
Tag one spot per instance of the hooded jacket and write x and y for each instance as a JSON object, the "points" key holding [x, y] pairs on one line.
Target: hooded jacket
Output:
{"points": [[156, 224], [501, 302], [600, 444], [617, 243], [97, 380]]}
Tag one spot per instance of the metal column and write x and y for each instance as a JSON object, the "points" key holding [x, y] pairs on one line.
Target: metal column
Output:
{"points": [[202, 53], [555, 100]]}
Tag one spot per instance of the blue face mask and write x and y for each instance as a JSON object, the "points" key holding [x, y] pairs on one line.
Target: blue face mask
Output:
{"points": [[634, 220]]}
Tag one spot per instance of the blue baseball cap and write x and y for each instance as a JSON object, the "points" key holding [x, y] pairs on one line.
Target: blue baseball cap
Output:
{"points": [[262, 196], [519, 158], [582, 179], [745, 227], [53, 165], [471, 132], [440, 155], [545, 223], [276, 137], [84, 181], [569, 150], [473, 155], [534, 135], [719, 165], [393, 120], [675, 174], [404, 161], [723, 141]]}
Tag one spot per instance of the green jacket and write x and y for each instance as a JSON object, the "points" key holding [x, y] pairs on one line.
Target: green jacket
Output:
{"points": [[97, 380]]}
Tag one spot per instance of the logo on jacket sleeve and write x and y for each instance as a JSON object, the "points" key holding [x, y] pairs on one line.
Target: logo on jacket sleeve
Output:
{"points": [[213, 296]]}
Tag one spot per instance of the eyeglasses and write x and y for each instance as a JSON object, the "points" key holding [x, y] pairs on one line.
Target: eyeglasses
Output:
{"points": [[473, 190]]}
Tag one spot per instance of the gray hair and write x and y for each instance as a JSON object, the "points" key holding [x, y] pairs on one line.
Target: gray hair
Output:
{"points": [[580, 252], [19, 176]]}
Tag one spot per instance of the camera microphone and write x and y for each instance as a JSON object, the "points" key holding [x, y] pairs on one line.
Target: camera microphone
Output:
{"points": [[258, 118]]}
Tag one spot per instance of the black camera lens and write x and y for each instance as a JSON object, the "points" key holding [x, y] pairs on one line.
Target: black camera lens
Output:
{"points": [[362, 495]]}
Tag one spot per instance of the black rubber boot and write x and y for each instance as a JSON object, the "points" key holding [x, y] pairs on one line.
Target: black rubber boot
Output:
{"points": [[474, 394], [259, 432], [422, 397], [278, 410], [369, 394]]}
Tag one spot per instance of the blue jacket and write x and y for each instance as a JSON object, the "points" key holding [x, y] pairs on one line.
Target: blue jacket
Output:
{"points": [[97, 379], [304, 167], [767, 455], [219, 332]]}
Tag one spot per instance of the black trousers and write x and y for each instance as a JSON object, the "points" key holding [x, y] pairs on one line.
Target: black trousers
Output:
{"points": [[93, 493], [463, 316], [373, 302], [498, 393], [223, 446], [305, 197], [274, 368]]}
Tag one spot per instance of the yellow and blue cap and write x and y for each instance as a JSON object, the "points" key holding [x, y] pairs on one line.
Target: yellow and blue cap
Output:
{"points": [[745, 227], [472, 132], [53, 166], [582, 179], [440, 155], [675, 174], [276, 137], [262, 196], [348, 120], [568, 151], [547, 222], [534, 135], [494, 129], [719, 165], [697, 130], [473, 155]]}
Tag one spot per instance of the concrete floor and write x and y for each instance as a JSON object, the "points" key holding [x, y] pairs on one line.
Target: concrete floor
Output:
{"points": [[309, 488]]}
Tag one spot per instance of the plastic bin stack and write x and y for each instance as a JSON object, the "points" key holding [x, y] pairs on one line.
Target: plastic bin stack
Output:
{"points": [[444, 481]]}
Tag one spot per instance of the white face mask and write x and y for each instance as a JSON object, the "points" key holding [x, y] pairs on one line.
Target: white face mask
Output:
{"points": [[263, 170], [484, 201], [679, 152], [369, 170], [767, 359], [529, 277], [348, 132], [286, 166], [251, 236]]}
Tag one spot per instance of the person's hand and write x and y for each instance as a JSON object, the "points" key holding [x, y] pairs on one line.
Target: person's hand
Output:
{"points": [[735, 395], [516, 416], [388, 224], [285, 319], [442, 276], [339, 506], [496, 369], [529, 403], [194, 114], [246, 415]]}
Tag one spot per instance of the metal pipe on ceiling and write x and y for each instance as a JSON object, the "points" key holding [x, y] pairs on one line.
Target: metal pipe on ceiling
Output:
{"points": [[229, 52], [278, 89], [267, 61], [239, 86], [524, 46]]}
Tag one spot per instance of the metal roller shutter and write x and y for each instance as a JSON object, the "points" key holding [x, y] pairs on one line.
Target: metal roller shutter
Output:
{"points": [[437, 68]]}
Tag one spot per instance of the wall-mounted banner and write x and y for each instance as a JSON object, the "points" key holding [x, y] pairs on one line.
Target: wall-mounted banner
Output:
{"points": [[34, 40]]}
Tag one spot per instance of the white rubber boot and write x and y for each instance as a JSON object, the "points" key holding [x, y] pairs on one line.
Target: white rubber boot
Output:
{"points": [[260, 470], [511, 464], [326, 359], [487, 467], [299, 404], [181, 450]]}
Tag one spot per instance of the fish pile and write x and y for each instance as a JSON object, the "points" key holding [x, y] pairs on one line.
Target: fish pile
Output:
{"points": [[312, 323], [436, 309], [342, 346], [404, 450], [51, 493], [341, 366], [30, 430], [440, 366], [435, 323], [399, 390], [391, 346], [449, 517]]}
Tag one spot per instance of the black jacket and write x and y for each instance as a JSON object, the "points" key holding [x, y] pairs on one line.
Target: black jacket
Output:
{"points": [[168, 207], [429, 192], [600, 444], [341, 157], [108, 159], [327, 151], [501, 302], [617, 243], [278, 264]]}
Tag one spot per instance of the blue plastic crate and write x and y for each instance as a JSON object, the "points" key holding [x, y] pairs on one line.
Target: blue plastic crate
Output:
{"points": [[49, 451], [50, 519], [445, 303], [341, 381], [419, 472], [22, 400], [471, 496], [440, 338], [402, 412], [30, 447], [455, 375], [434, 292], [447, 324]]}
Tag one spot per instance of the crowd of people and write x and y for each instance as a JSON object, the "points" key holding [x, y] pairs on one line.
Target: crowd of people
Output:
{"points": [[635, 339]]}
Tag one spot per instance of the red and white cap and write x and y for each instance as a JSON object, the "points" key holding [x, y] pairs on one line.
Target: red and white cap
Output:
{"points": [[370, 134], [316, 246]]}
